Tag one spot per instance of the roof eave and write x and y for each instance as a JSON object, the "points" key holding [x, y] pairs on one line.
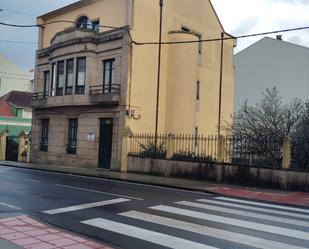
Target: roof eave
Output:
{"points": [[65, 9]]}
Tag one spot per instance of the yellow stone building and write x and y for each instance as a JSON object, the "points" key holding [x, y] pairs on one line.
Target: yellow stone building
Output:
{"points": [[96, 76]]}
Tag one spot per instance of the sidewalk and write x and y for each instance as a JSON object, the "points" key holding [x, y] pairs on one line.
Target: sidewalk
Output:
{"points": [[270, 195], [21, 231]]}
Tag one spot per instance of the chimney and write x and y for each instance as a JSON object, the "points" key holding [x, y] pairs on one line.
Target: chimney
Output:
{"points": [[279, 37]]}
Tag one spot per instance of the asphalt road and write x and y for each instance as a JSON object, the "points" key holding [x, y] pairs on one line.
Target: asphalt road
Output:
{"points": [[128, 215]]}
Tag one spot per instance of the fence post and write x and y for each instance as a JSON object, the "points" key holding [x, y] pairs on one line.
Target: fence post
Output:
{"points": [[28, 150], [21, 145], [126, 134], [221, 149], [170, 146], [3, 137], [286, 153]]}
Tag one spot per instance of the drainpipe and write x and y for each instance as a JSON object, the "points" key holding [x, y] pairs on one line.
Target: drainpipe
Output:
{"points": [[159, 74]]}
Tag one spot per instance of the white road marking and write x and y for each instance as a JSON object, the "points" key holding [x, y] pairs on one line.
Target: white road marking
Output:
{"points": [[265, 210], [85, 206], [263, 204], [97, 191], [9, 205], [245, 213], [31, 180], [146, 235], [235, 222], [209, 231]]}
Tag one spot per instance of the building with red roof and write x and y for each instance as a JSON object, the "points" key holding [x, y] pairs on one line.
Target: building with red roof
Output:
{"points": [[15, 112]]}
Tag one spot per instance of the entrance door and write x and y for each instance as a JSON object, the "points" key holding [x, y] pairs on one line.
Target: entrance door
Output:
{"points": [[105, 142]]}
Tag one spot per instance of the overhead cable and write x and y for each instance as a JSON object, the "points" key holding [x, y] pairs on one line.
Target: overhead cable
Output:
{"points": [[229, 37]]}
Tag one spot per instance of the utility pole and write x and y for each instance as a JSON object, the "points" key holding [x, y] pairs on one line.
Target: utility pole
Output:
{"points": [[159, 74], [220, 89]]}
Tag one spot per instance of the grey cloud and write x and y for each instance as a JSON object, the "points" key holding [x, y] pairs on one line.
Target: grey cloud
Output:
{"points": [[23, 54], [246, 26], [294, 2], [295, 39]]}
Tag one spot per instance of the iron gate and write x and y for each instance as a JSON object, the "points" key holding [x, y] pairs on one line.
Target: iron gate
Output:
{"points": [[11, 153]]}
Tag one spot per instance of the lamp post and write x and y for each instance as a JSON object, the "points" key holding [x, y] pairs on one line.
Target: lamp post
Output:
{"points": [[159, 74]]}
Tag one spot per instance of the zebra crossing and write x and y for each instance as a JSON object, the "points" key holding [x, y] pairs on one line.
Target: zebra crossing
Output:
{"points": [[217, 222]]}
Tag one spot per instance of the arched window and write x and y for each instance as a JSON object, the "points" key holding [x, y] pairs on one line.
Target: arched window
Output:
{"points": [[84, 23]]}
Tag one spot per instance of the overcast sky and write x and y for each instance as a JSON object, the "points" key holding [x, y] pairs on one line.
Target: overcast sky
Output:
{"points": [[238, 17]]}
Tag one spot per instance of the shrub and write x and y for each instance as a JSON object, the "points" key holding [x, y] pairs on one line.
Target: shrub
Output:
{"points": [[150, 150], [191, 156]]}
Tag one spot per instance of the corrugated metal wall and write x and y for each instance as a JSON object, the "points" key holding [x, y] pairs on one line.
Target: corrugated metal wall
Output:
{"points": [[271, 63]]}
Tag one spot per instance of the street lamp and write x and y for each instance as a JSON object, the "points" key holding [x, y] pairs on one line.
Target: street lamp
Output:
{"points": [[159, 74]]}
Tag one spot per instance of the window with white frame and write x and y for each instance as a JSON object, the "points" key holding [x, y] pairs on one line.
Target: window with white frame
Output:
{"points": [[108, 75], [60, 78], [69, 77], [80, 75]]}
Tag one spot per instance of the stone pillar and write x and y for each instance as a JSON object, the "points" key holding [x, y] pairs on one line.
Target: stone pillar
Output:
{"points": [[126, 134], [3, 137], [286, 153], [170, 146], [221, 149], [28, 150], [21, 145]]}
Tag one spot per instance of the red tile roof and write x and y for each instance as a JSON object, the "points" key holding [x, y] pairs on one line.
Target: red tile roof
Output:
{"points": [[17, 98], [5, 109]]}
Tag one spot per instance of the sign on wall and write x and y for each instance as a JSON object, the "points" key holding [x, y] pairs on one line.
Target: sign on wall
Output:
{"points": [[90, 136]]}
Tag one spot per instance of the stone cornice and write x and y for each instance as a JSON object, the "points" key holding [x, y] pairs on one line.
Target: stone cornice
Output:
{"points": [[90, 37]]}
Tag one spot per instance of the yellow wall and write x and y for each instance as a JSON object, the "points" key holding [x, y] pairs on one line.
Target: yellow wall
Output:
{"points": [[114, 13], [179, 63], [181, 85], [180, 67]]}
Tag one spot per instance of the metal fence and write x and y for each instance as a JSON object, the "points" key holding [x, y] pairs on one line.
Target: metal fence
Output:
{"points": [[182, 147], [266, 151], [300, 153], [260, 151], [144, 145]]}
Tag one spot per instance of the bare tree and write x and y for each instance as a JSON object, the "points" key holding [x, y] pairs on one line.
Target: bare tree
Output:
{"points": [[258, 130]]}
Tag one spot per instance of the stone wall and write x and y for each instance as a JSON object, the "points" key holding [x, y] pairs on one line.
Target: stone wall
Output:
{"points": [[87, 151], [227, 173]]}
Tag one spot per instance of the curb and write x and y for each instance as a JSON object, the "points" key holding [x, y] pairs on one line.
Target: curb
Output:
{"points": [[115, 178]]}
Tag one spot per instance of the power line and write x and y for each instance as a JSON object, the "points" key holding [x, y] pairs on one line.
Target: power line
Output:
{"points": [[18, 25], [20, 74], [18, 12], [65, 21], [227, 38], [23, 42], [163, 42], [1, 77]]}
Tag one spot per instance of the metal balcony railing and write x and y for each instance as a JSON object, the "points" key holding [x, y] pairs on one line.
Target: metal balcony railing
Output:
{"points": [[39, 95], [104, 89]]}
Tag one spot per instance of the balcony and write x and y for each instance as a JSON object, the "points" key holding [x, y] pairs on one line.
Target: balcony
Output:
{"points": [[78, 37], [39, 99], [108, 95]]}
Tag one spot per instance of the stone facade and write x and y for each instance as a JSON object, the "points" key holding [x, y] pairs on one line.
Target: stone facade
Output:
{"points": [[87, 108], [88, 122]]}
